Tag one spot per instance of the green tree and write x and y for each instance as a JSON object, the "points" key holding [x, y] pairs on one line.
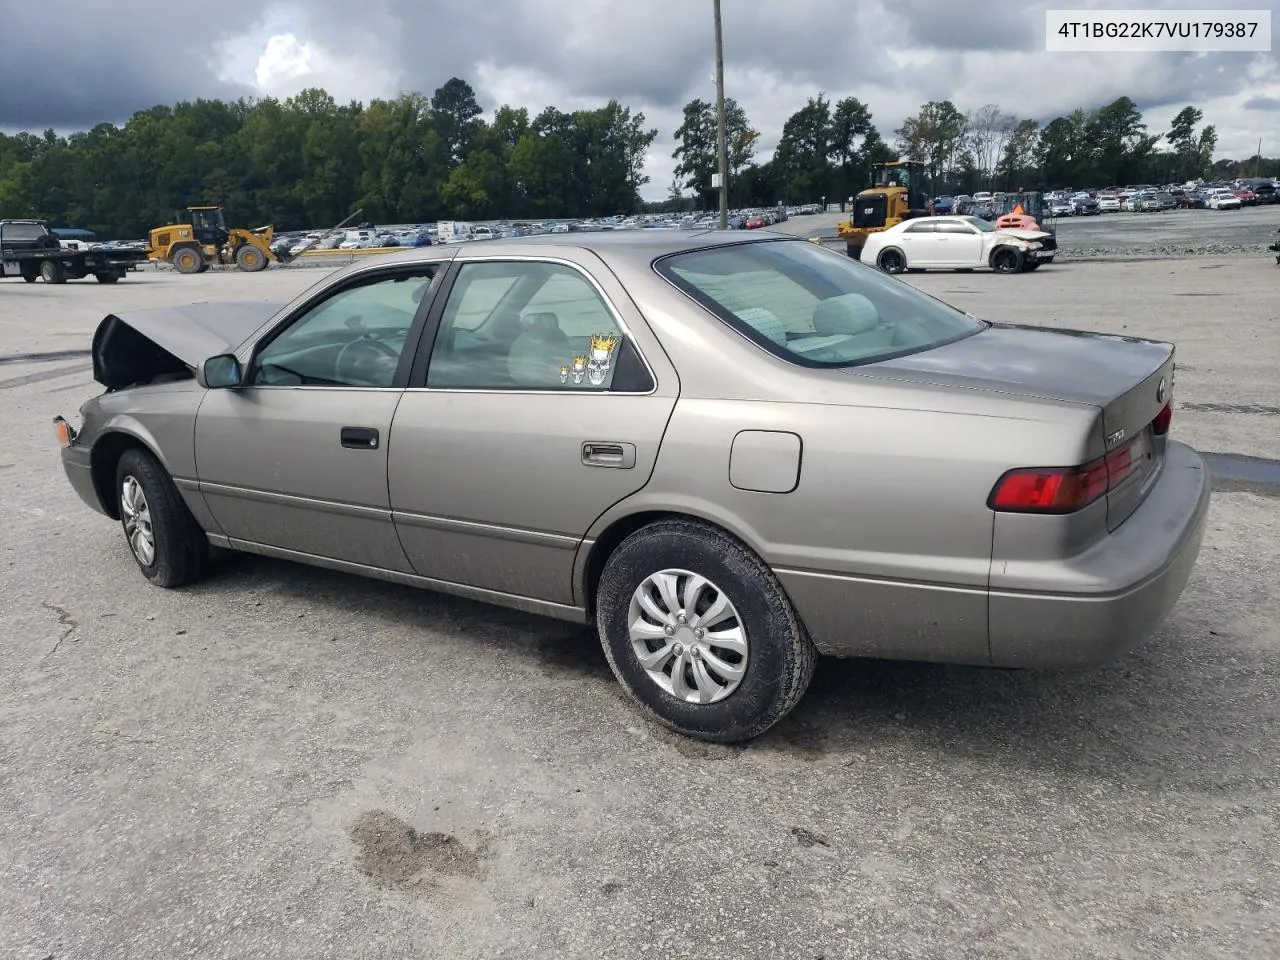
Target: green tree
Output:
{"points": [[1019, 154], [456, 113], [802, 161], [1192, 153], [935, 135], [695, 151]]}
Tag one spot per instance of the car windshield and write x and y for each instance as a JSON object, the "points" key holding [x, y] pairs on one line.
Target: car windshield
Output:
{"points": [[812, 306]]}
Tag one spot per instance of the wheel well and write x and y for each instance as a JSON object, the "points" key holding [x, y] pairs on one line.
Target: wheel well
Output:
{"points": [[107, 452], [613, 535]]}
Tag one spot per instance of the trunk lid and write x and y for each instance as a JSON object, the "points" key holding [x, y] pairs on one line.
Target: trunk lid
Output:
{"points": [[1129, 379]]}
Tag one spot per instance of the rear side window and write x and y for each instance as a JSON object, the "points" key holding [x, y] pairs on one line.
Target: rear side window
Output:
{"points": [[812, 306], [22, 231]]}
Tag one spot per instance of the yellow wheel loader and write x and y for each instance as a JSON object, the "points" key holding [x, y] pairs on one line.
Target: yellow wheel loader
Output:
{"points": [[201, 238], [897, 194]]}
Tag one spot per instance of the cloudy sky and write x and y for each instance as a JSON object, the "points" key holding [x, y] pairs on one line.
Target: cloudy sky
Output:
{"points": [[653, 55]]}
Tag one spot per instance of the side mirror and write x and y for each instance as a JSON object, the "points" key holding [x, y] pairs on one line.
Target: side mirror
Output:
{"points": [[220, 372]]}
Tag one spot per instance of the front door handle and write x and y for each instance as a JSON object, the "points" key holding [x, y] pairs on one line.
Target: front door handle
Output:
{"points": [[608, 453], [360, 438]]}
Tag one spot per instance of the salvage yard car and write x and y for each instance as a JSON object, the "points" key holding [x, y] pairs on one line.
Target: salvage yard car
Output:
{"points": [[729, 451], [952, 243]]}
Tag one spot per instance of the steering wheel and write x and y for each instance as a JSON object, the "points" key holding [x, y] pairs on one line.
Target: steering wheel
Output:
{"points": [[354, 359]]}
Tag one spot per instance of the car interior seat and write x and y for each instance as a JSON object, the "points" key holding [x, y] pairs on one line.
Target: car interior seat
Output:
{"points": [[538, 353], [852, 315]]}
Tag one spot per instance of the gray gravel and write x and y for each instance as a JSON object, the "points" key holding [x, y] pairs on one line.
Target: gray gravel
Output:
{"points": [[289, 762]]}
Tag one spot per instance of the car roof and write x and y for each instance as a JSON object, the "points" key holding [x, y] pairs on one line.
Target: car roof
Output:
{"points": [[635, 247]]}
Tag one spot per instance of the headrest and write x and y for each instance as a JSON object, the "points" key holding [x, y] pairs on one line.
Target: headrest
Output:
{"points": [[849, 314], [539, 321]]}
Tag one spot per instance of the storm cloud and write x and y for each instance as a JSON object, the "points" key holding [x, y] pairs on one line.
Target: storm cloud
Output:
{"points": [[653, 56]]}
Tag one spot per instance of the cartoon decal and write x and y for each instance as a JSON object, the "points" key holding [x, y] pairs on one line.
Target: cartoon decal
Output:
{"points": [[602, 347], [579, 368], [564, 374]]}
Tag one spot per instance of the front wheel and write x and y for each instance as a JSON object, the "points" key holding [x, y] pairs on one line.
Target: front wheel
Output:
{"points": [[892, 261], [110, 276], [700, 633], [1006, 260], [250, 259], [163, 536]]}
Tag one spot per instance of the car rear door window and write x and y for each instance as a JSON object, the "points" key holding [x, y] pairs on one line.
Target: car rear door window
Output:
{"points": [[531, 325]]}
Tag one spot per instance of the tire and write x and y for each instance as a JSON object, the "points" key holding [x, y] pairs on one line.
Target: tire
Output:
{"points": [[31, 277], [854, 250], [1031, 266], [779, 656], [188, 260], [1006, 260], [110, 276], [250, 259], [179, 550], [51, 271], [892, 261]]}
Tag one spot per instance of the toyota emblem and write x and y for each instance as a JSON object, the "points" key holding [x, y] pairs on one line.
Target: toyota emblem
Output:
{"points": [[1160, 391]]}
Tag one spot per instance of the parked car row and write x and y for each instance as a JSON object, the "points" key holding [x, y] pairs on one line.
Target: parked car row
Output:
{"points": [[1146, 198]]}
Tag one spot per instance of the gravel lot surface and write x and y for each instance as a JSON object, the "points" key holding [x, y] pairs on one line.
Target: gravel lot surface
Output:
{"points": [[286, 762]]}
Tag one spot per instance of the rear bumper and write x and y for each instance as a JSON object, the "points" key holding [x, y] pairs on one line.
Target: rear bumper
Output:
{"points": [[77, 465], [1134, 577]]}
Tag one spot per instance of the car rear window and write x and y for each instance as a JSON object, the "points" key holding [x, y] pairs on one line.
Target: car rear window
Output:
{"points": [[23, 231], [813, 306]]}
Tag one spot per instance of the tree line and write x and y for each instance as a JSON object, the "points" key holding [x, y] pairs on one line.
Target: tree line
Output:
{"points": [[827, 150], [308, 161]]}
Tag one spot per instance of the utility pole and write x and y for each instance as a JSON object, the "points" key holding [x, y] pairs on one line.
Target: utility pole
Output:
{"points": [[722, 139]]}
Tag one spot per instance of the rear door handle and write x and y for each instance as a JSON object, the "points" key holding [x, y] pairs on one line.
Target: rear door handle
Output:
{"points": [[607, 453], [360, 438]]}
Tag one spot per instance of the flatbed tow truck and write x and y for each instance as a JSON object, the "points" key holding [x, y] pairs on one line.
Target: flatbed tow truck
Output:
{"points": [[28, 250]]}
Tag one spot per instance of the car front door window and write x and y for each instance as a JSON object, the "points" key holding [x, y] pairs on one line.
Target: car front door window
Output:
{"points": [[354, 338]]}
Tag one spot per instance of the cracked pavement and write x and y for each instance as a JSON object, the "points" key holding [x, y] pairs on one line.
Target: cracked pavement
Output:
{"points": [[290, 762]]}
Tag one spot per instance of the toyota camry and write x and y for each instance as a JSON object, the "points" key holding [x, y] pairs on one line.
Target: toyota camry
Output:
{"points": [[729, 451]]}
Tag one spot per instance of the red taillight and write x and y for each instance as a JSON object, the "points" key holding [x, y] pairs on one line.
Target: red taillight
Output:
{"points": [[1050, 490], [1160, 425], [1066, 489]]}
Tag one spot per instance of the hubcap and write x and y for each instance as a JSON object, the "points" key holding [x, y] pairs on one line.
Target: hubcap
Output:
{"points": [[137, 521], [688, 637]]}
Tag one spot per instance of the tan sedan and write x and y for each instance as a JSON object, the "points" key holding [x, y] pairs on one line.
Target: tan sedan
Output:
{"points": [[729, 451]]}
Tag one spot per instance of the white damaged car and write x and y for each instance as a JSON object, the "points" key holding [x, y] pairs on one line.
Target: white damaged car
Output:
{"points": [[957, 243]]}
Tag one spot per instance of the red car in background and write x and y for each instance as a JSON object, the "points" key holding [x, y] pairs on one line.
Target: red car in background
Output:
{"points": [[1247, 197]]}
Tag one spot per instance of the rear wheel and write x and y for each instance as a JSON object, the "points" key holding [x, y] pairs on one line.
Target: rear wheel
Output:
{"points": [[250, 259], [854, 250], [109, 276], [51, 271], [892, 261], [188, 260], [700, 633], [1006, 260], [167, 543]]}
